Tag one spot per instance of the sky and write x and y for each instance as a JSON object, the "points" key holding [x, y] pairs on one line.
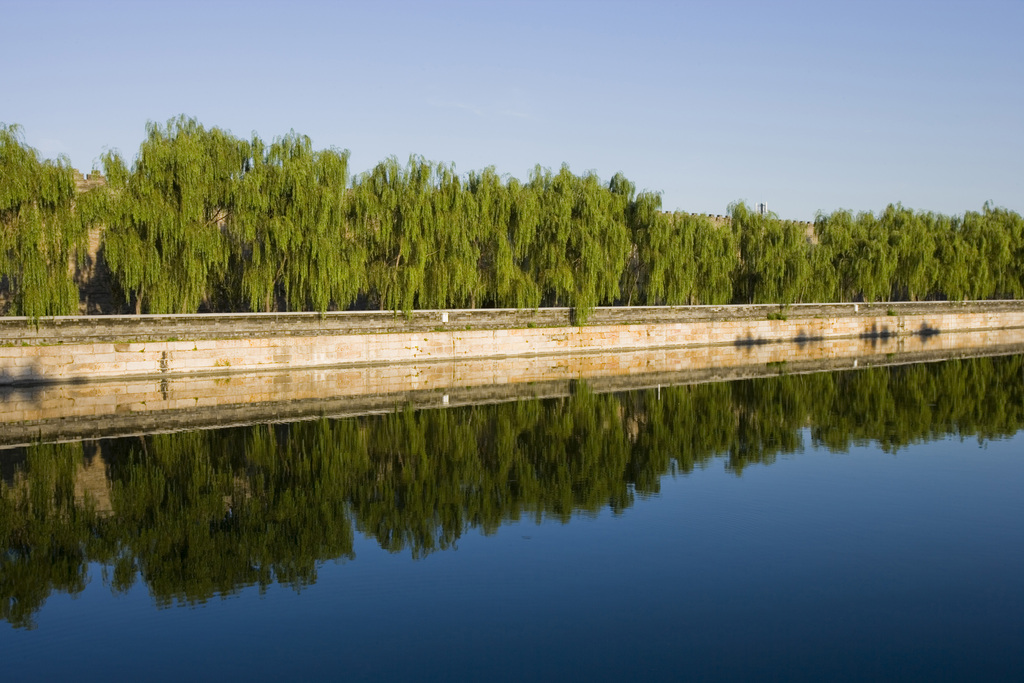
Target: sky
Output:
{"points": [[806, 106]]}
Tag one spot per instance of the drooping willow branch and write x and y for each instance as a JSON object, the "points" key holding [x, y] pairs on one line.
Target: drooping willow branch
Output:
{"points": [[203, 220]]}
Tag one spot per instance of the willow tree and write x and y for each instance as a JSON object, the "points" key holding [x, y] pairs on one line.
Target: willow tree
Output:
{"points": [[451, 277], [1006, 250], [912, 238], [506, 216], [40, 234], [863, 253], [955, 258], [834, 232], [582, 241], [775, 263], [994, 237], [873, 258], [715, 262], [641, 213], [601, 214], [1013, 224], [642, 218], [666, 252], [390, 206], [165, 243], [291, 230], [689, 260], [553, 258]]}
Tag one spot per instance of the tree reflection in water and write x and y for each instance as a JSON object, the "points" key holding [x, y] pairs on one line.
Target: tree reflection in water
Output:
{"points": [[205, 513]]}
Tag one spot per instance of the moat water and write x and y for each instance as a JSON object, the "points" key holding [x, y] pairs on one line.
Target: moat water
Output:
{"points": [[848, 526]]}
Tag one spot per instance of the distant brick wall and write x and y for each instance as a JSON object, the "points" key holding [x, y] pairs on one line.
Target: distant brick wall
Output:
{"points": [[726, 222], [84, 183], [92, 276]]}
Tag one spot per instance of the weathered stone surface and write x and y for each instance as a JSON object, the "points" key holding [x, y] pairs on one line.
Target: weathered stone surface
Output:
{"points": [[219, 326], [85, 348], [161, 403]]}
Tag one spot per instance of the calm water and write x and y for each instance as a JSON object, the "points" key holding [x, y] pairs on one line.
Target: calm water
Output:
{"points": [[865, 524]]}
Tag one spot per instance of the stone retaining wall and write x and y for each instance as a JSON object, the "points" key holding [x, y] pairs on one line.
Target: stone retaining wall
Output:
{"points": [[66, 329], [83, 348], [55, 412]]}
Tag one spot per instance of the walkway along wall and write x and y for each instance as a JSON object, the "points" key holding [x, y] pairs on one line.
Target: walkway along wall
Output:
{"points": [[84, 348]]}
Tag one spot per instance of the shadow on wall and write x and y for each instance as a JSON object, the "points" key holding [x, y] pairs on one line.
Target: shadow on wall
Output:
{"points": [[97, 291], [802, 339], [21, 386], [876, 334], [28, 382], [6, 300], [749, 341]]}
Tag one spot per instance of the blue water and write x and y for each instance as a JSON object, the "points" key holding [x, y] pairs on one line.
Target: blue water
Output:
{"points": [[854, 565]]}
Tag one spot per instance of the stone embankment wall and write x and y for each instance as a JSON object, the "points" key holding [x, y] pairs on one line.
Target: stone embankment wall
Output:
{"points": [[91, 410], [81, 348]]}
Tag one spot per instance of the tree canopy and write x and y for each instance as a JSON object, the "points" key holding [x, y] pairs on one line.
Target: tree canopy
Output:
{"points": [[40, 233], [202, 220]]}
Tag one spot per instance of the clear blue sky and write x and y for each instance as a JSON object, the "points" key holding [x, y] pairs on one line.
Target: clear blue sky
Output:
{"points": [[806, 106]]}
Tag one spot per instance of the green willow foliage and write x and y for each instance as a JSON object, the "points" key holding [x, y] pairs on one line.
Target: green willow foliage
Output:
{"points": [[40, 233], [201, 514], [686, 259], [204, 221], [164, 240], [774, 259], [907, 255], [582, 239], [289, 232]]}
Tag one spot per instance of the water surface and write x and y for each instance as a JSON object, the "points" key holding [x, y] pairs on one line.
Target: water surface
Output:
{"points": [[845, 525]]}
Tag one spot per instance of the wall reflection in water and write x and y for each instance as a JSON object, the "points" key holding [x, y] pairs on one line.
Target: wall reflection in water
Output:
{"points": [[64, 412], [203, 513]]}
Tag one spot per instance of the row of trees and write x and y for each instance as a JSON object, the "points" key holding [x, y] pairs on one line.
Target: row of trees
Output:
{"points": [[198, 514], [203, 220], [39, 230]]}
